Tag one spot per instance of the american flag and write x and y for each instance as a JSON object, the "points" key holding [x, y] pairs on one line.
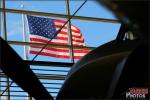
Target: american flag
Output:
{"points": [[43, 29]]}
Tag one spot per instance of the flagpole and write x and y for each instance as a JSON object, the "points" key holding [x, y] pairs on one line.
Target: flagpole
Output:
{"points": [[24, 34], [69, 32], [25, 40]]}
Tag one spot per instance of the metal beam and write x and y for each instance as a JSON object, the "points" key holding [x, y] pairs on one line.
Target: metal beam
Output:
{"points": [[51, 77], [59, 15], [70, 41], [15, 95], [49, 45], [19, 87], [48, 69], [23, 76], [43, 77], [4, 20], [47, 63]]}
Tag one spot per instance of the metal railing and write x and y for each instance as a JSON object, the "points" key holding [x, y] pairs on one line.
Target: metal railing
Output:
{"points": [[52, 82]]}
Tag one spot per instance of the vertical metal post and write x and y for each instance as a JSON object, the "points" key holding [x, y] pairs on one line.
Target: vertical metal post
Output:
{"points": [[8, 90], [4, 21], [69, 32], [1, 31], [5, 38], [25, 40], [1, 14]]}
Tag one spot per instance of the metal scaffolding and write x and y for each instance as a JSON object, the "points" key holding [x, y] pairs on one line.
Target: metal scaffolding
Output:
{"points": [[44, 65]]}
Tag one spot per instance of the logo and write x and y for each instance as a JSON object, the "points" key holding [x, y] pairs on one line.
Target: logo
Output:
{"points": [[136, 93]]}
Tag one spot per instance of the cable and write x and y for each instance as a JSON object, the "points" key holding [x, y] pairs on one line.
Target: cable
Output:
{"points": [[50, 40], [6, 88], [58, 31]]}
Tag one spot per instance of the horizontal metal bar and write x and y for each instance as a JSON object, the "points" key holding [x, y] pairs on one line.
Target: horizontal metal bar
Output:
{"points": [[52, 83], [53, 92], [52, 77], [16, 95], [50, 74], [17, 91], [48, 63], [3, 75], [7, 86], [3, 81], [50, 87], [49, 70], [58, 75], [42, 83], [59, 15], [49, 45], [12, 91], [44, 77]]}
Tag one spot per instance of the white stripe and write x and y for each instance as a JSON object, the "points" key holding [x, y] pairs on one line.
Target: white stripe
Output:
{"points": [[78, 38], [66, 36], [59, 41], [56, 42], [53, 40], [65, 41], [61, 24], [62, 35], [56, 52], [65, 30]]}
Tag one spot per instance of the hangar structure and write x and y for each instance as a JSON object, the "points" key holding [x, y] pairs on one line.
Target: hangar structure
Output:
{"points": [[121, 52]]}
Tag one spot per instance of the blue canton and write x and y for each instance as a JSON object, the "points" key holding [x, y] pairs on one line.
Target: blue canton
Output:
{"points": [[41, 26]]}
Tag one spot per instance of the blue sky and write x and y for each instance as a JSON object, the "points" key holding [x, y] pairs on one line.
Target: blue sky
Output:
{"points": [[95, 33]]}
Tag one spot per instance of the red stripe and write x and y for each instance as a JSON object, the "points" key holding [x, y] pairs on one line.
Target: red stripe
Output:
{"points": [[52, 49], [62, 49], [65, 44], [62, 21], [54, 55], [45, 41], [64, 38], [76, 27], [65, 33], [76, 31], [57, 20], [81, 51], [38, 40]]}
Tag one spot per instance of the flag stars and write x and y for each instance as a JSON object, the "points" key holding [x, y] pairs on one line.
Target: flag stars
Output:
{"points": [[41, 26]]}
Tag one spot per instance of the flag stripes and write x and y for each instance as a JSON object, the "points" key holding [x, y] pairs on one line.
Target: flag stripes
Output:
{"points": [[60, 39]]}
